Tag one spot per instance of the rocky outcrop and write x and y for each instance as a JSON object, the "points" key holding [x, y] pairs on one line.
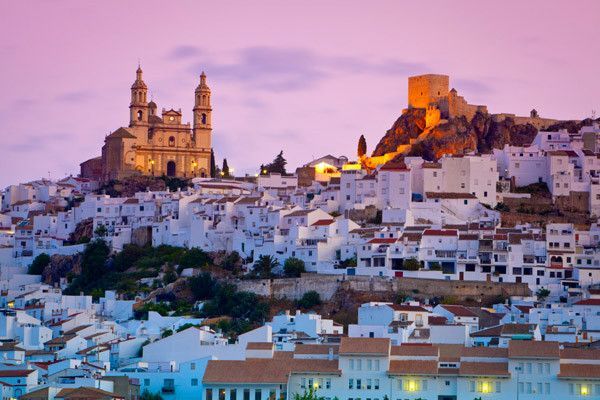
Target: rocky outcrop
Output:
{"points": [[409, 126], [83, 231], [571, 126], [60, 266], [459, 135]]}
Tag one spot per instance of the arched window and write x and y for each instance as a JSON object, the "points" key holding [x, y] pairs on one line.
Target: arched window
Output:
{"points": [[171, 141], [203, 119], [204, 100], [140, 115]]}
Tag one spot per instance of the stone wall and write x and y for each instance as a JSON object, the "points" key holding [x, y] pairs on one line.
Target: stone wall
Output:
{"points": [[424, 90], [327, 286]]}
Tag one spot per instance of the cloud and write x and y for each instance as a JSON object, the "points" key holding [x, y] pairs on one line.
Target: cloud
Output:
{"points": [[75, 96], [472, 86], [36, 142], [185, 52], [275, 69]]}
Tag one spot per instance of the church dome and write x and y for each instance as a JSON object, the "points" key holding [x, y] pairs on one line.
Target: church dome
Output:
{"points": [[152, 104]]}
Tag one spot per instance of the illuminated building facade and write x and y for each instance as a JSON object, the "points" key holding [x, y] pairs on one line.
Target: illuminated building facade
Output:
{"points": [[155, 144], [372, 368]]}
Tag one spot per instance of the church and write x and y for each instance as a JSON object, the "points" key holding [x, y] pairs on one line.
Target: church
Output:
{"points": [[155, 144]]}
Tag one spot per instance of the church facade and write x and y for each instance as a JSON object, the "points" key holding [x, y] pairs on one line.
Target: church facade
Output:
{"points": [[155, 144]]}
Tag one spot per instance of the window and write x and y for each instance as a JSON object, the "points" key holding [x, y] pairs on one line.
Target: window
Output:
{"points": [[194, 382], [369, 365], [369, 381], [376, 384], [328, 383], [146, 382], [257, 394], [140, 115], [171, 141], [203, 119], [351, 362], [358, 384], [246, 394], [351, 383], [208, 394]]}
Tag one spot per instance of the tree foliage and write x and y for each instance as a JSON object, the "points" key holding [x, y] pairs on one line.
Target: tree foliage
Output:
{"points": [[263, 268], [542, 294], [309, 300], [38, 264], [100, 231], [293, 267], [227, 300], [277, 165], [147, 395], [362, 146], [225, 169], [411, 264], [203, 286]]}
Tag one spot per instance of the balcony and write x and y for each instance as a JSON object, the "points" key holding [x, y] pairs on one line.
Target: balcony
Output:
{"points": [[445, 254]]}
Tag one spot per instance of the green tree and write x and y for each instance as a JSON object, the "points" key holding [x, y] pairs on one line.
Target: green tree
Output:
{"points": [[411, 264], [362, 146], [147, 395], [263, 268], [293, 267], [170, 276], [194, 258], [542, 294], [100, 231], [130, 254], [309, 300], [38, 264], [309, 394], [225, 169], [232, 262], [276, 166], [203, 286]]}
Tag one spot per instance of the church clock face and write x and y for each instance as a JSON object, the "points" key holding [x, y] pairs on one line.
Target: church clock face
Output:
{"points": [[171, 118]]}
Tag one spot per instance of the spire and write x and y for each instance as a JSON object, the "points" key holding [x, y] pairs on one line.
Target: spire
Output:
{"points": [[202, 79], [138, 72]]}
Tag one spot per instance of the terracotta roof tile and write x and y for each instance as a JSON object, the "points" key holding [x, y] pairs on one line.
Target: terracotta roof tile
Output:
{"points": [[374, 346], [533, 349], [413, 367]]}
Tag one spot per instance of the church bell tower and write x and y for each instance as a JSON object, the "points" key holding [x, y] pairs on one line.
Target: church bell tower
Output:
{"points": [[202, 115], [138, 108]]}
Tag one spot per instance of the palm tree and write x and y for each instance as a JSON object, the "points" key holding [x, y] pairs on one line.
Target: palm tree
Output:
{"points": [[265, 265]]}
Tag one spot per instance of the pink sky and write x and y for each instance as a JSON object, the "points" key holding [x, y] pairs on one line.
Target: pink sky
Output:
{"points": [[305, 77]]}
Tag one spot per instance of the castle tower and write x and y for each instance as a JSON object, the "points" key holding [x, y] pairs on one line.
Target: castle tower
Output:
{"points": [[138, 108], [202, 115]]}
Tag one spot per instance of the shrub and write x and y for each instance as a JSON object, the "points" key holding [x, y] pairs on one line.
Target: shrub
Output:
{"points": [[411, 264], [193, 258], [309, 300], [293, 267], [203, 286], [38, 264]]}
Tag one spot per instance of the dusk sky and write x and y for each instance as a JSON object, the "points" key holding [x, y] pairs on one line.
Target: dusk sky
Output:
{"points": [[305, 77]]}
